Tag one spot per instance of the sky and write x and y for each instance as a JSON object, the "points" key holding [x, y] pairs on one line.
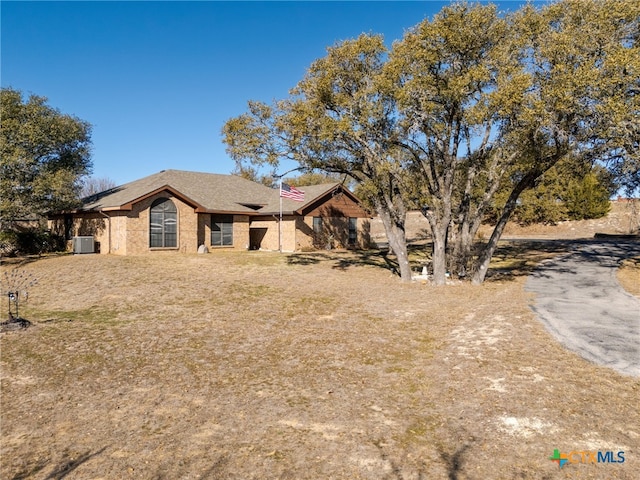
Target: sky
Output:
{"points": [[158, 80]]}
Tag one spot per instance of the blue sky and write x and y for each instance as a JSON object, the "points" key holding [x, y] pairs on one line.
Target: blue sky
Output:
{"points": [[157, 80]]}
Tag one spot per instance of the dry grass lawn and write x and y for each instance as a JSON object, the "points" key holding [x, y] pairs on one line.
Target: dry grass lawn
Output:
{"points": [[257, 365]]}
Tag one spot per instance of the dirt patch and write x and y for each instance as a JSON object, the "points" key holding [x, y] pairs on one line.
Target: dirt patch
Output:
{"points": [[14, 324], [260, 365], [622, 219], [629, 276]]}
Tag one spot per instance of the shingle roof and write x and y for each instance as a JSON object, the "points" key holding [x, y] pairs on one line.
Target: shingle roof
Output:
{"points": [[311, 193], [207, 191]]}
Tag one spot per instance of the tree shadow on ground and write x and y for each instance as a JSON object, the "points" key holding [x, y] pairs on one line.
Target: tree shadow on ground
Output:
{"points": [[454, 461], [373, 258], [511, 260], [342, 260], [64, 468], [20, 261], [396, 469], [515, 258]]}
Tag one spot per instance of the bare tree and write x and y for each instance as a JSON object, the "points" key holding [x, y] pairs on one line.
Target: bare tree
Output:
{"points": [[92, 186]]}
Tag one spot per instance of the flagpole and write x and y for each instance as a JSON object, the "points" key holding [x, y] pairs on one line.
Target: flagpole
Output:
{"points": [[280, 221], [280, 177]]}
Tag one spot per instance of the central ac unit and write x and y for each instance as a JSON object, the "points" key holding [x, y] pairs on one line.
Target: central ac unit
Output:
{"points": [[83, 245]]}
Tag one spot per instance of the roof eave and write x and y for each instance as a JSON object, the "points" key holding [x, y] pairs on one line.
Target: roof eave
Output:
{"points": [[218, 211], [319, 198]]}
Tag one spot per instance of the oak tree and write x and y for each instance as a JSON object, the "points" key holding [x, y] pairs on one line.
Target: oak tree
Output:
{"points": [[43, 156], [337, 120], [490, 100], [581, 61], [469, 108]]}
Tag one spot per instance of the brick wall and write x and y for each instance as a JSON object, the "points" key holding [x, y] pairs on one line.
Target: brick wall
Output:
{"points": [[137, 226], [127, 232], [240, 232], [87, 224], [334, 227], [269, 225]]}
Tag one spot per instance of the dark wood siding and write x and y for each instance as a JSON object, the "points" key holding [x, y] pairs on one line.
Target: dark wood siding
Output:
{"points": [[339, 205]]}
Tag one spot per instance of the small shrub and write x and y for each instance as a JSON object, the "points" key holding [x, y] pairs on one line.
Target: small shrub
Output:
{"points": [[8, 243], [34, 241], [587, 198]]}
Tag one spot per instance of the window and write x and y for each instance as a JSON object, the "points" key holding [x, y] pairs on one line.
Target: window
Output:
{"points": [[163, 224], [317, 225], [353, 230], [222, 230]]}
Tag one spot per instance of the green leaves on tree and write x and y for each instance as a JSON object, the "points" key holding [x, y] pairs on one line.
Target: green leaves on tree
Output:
{"points": [[43, 155], [464, 116]]}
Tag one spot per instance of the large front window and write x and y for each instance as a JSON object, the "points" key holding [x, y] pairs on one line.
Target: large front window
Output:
{"points": [[222, 231], [163, 224]]}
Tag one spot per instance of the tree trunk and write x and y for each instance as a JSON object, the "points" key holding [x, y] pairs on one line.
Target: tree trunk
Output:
{"points": [[439, 258], [400, 249], [397, 241], [463, 242], [439, 218], [482, 264], [461, 249]]}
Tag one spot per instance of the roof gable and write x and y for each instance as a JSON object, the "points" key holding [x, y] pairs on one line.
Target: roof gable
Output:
{"points": [[204, 191], [210, 192], [313, 195]]}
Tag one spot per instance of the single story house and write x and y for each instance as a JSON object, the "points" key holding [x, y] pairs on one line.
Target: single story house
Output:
{"points": [[176, 210]]}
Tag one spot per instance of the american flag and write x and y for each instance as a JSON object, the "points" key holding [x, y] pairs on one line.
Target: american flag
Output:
{"points": [[287, 191]]}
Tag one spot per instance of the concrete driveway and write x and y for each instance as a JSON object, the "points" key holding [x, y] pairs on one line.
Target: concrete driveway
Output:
{"points": [[580, 301]]}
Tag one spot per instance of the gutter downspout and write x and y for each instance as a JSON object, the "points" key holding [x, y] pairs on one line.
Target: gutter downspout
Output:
{"points": [[109, 226]]}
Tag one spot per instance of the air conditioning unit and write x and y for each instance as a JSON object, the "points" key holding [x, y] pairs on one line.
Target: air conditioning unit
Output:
{"points": [[83, 245]]}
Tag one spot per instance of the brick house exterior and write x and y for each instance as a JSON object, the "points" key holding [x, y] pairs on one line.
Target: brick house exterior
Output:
{"points": [[179, 211]]}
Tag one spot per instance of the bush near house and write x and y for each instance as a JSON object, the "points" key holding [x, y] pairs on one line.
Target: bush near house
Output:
{"points": [[32, 241]]}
